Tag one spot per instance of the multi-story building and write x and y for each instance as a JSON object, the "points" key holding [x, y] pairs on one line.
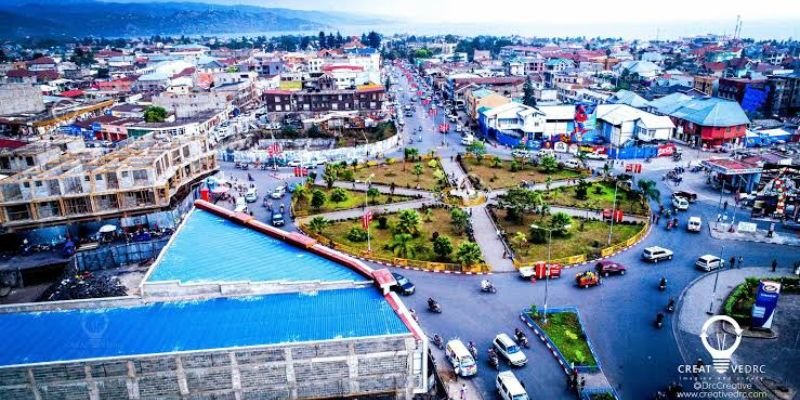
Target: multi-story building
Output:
{"points": [[192, 104], [706, 84], [367, 98], [20, 98], [477, 99], [708, 121], [17, 156], [785, 94], [751, 94], [140, 178]]}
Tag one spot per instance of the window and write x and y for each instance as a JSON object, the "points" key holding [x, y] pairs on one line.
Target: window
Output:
{"points": [[98, 177], [29, 161], [18, 212], [124, 174]]}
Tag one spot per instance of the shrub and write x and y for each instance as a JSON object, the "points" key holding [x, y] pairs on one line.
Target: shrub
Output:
{"points": [[390, 161], [372, 163], [383, 222], [338, 195], [347, 175], [357, 234], [515, 166], [433, 163], [598, 189]]}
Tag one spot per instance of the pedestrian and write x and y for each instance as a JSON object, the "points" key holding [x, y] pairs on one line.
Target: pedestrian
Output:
{"points": [[658, 218], [733, 262], [741, 260], [774, 264], [725, 205], [463, 391], [719, 217]]}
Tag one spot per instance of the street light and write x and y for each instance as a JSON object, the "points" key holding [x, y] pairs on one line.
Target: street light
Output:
{"points": [[547, 263], [366, 205], [613, 211], [716, 280]]}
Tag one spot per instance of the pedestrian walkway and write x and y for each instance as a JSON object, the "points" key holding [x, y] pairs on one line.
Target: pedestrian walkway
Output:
{"points": [[543, 186], [486, 235], [721, 230], [358, 212], [452, 382]]}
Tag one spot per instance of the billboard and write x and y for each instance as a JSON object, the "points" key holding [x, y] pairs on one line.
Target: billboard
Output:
{"points": [[765, 304]]}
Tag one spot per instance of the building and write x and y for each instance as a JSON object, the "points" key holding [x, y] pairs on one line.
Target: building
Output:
{"points": [[785, 89], [456, 84], [368, 98], [644, 69], [751, 94], [285, 318], [620, 123], [707, 121], [512, 123], [143, 177], [477, 99], [630, 98], [20, 99], [17, 156], [59, 112], [192, 104]]}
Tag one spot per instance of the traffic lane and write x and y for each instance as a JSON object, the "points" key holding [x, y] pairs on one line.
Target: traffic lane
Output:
{"points": [[470, 315]]}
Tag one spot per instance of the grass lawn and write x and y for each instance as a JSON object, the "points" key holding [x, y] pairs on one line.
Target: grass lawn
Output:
{"points": [[564, 329], [578, 242], [565, 196], [402, 174], [439, 222], [355, 199], [502, 177]]}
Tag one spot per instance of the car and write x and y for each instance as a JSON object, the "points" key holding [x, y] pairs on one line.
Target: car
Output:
{"points": [[409, 114], [519, 153], [509, 349], [596, 156], [572, 164], [459, 128], [695, 224], [251, 196], [680, 203], [656, 253], [709, 262], [587, 279], [402, 285], [452, 118], [467, 140], [278, 193], [294, 163], [608, 267], [689, 196], [509, 387], [277, 219], [401, 122]]}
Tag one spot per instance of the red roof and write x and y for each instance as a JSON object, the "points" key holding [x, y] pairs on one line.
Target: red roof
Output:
{"points": [[330, 68], [43, 60], [20, 73], [48, 75], [186, 72], [715, 66], [72, 93], [11, 144]]}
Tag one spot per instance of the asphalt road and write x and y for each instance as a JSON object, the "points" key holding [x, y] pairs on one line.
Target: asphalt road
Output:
{"points": [[637, 358]]}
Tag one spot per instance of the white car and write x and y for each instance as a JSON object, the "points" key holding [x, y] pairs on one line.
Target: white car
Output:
{"points": [[467, 140], [251, 196], [694, 224], [572, 164], [709, 262], [596, 156], [278, 193], [509, 349], [656, 253], [680, 203], [459, 128]]}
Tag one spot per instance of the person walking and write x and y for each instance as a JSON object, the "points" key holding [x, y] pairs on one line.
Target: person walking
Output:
{"points": [[725, 206], [741, 260], [733, 262], [774, 264], [463, 391]]}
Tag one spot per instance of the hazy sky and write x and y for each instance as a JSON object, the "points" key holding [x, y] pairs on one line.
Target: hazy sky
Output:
{"points": [[553, 11]]}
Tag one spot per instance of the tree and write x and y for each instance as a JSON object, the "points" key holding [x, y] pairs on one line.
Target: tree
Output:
{"points": [[374, 40], [357, 234], [418, 170], [339, 39], [387, 83], [528, 97], [372, 193], [330, 175], [460, 219], [410, 153], [317, 199], [442, 247], [582, 191], [102, 73], [648, 190], [300, 193], [477, 148], [338, 195], [560, 222], [402, 245], [518, 201], [496, 162], [3, 57], [155, 114], [549, 164], [318, 224], [469, 253], [321, 40], [422, 53], [331, 41], [305, 41], [520, 241], [408, 221]]}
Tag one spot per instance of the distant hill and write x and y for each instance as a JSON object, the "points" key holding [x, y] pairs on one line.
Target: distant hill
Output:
{"points": [[89, 17]]}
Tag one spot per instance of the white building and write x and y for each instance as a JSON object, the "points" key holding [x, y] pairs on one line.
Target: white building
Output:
{"points": [[514, 120], [645, 69], [620, 123]]}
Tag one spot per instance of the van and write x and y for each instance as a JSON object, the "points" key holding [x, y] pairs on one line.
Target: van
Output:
{"points": [[467, 140], [509, 387], [694, 224], [656, 254], [508, 349], [572, 164], [460, 358], [241, 205], [708, 263]]}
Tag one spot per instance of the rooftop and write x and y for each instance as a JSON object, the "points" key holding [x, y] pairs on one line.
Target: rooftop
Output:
{"points": [[208, 248], [169, 327]]}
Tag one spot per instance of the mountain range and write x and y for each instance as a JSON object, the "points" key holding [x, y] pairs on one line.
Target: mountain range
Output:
{"points": [[80, 18]]}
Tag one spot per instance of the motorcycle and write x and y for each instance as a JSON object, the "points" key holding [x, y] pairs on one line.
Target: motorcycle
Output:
{"points": [[521, 338], [494, 361], [671, 305], [433, 306], [488, 287], [659, 320], [438, 341], [472, 349], [662, 285]]}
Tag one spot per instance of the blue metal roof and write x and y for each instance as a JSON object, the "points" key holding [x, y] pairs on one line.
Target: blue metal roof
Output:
{"points": [[164, 327], [710, 111], [208, 248]]}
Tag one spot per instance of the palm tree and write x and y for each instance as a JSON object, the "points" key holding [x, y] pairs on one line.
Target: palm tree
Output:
{"points": [[648, 190], [411, 153], [408, 222], [460, 219], [559, 222], [300, 193], [606, 169], [318, 224], [469, 253], [427, 215], [581, 156], [520, 241], [372, 193], [496, 162], [418, 170], [331, 174], [402, 245]]}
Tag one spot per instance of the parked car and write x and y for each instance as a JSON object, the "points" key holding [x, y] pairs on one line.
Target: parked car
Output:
{"points": [[277, 219], [709, 262], [680, 203], [520, 153], [467, 140], [586, 279], [694, 224], [608, 267], [691, 197], [572, 164], [508, 349], [460, 358], [509, 387], [596, 156], [656, 253], [402, 285], [459, 129]]}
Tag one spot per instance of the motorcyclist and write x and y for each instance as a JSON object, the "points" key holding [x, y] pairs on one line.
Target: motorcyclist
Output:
{"points": [[432, 304], [663, 283], [519, 334], [486, 285]]}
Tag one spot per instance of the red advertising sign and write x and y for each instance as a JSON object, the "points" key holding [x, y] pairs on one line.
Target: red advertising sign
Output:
{"points": [[665, 150]]}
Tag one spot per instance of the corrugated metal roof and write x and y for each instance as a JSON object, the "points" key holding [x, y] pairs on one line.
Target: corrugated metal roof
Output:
{"points": [[165, 327], [711, 112], [208, 248]]}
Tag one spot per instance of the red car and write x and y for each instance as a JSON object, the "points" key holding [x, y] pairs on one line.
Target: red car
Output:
{"points": [[608, 267], [587, 279]]}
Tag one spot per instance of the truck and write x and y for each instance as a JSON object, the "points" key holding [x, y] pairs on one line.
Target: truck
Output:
{"points": [[539, 270]]}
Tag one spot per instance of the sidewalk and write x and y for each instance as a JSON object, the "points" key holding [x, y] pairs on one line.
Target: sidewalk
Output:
{"points": [[486, 236], [358, 212], [384, 189], [720, 230], [451, 381]]}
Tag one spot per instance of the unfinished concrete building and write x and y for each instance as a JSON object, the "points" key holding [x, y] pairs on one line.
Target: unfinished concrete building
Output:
{"points": [[140, 178], [19, 156], [231, 309]]}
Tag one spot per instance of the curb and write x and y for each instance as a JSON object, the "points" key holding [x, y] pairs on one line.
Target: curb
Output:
{"points": [[385, 264], [565, 368]]}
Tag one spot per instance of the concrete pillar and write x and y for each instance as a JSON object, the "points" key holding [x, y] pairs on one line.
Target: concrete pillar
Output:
{"points": [[290, 379], [236, 376], [352, 364], [132, 382], [91, 384], [32, 385], [180, 373]]}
